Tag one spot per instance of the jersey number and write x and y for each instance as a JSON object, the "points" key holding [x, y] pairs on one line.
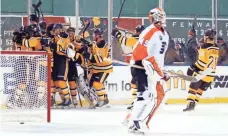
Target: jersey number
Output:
{"points": [[162, 50], [213, 62]]}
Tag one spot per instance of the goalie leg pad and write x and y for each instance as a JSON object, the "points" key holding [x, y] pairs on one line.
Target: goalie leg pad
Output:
{"points": [[89, 93], [144, 104], [160, 96]]}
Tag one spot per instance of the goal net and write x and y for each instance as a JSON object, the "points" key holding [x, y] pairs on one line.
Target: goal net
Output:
{"points": [[24, 86]]}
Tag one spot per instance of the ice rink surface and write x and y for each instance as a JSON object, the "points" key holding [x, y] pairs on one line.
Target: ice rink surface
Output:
{"points": [[206, 120]]}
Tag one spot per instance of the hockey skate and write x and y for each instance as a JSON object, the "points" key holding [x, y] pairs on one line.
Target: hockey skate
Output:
{"points": [[103, 103], [74, 103], [138, 127], [190, 107], [67, 104]]}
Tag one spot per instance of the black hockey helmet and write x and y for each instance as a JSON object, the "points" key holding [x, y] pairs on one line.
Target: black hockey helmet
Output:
{"points": [[58, 26], [50, 27], [33, 30], [139, 28], [210, 33], [98, 31], [43, 25], [34, 17]]}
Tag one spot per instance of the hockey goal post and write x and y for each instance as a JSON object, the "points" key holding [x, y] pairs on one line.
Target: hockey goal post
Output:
{"points": [[25, 86]]}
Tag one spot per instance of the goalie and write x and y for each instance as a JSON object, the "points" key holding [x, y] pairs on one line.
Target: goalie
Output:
{"points": [[207, 59], [149, 52]]}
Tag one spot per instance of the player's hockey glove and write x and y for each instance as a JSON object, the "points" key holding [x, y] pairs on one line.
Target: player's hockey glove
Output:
{"points": [[166, 76], [115, 32]]}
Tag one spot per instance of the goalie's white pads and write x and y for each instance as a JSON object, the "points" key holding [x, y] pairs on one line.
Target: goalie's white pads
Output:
{"points": [[142, 108], [89, 93]]}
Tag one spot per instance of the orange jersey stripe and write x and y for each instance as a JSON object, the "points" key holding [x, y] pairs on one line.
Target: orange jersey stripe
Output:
{"points": [[156, 67], [140, 51]]}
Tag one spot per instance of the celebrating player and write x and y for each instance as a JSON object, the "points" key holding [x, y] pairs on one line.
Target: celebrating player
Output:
{"points": [[207, 59], [129, 43], [101, 66], [149, 52]]}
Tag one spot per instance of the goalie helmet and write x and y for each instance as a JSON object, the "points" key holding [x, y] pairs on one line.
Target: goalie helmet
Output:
{"points": [[157, 15]]}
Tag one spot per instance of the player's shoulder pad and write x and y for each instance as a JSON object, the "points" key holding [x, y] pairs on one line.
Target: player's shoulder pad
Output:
{"points": [[206, 45]]}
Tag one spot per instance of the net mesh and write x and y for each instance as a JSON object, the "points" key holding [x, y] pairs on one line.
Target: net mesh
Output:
{"points": [[24, 88]]}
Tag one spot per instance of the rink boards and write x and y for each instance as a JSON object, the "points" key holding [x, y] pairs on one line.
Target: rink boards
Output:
{"points": [[119, 89]]}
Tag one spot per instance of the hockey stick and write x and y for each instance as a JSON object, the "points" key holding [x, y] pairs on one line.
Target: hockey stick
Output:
{"points": [[125, 30], [121, 8], [80, 100], [185, 77], [194, 22], [117, 21]]}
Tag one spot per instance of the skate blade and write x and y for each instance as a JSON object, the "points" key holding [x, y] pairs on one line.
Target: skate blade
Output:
{"points": [[104, 106], [136, 132]]}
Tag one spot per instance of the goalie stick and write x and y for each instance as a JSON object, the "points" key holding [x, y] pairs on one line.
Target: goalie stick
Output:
{"points": [[185, 77]]}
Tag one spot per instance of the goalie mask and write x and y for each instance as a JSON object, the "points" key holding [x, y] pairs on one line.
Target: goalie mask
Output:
{"points": [[157, 16]]}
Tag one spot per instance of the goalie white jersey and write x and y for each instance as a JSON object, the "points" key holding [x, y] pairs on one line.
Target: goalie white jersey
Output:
{"points": [[152, 45]]}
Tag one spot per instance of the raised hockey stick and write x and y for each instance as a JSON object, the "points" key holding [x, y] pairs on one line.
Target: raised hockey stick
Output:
{"points": [[125, 30], [194, 22], [121, 8]]}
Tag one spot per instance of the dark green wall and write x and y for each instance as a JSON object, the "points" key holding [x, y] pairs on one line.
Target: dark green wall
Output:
{"points": [[193, 7], [132, 8], [20, 6]]}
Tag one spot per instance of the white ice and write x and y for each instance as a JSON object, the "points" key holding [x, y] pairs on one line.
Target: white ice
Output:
{"points": [[206, 120]]}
